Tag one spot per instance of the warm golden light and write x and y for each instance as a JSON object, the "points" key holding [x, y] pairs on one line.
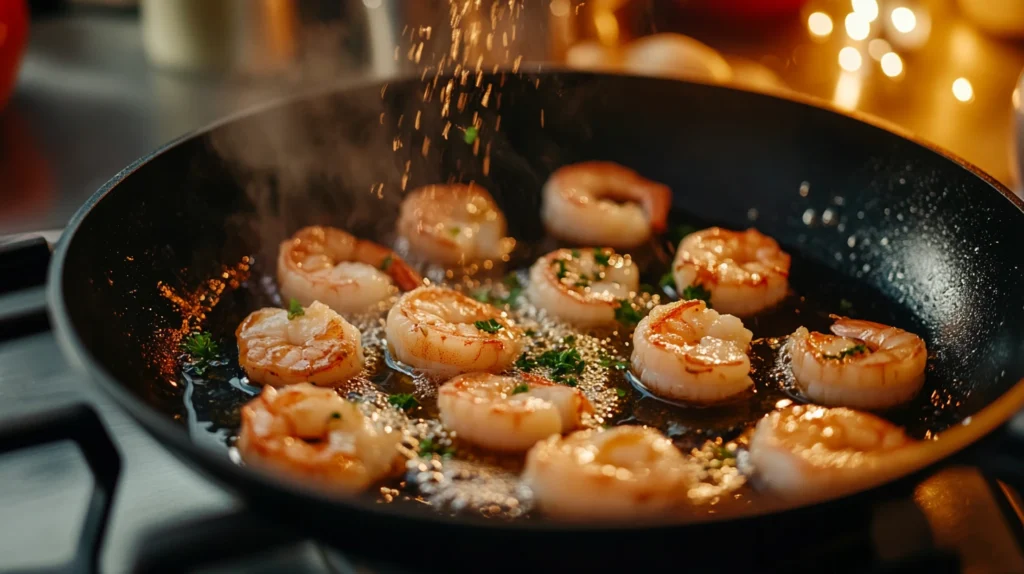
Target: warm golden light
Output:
{"points": [[903, 19], [819, 24], [878, 48], [850, 59], [892, 64], [847, 92], [963, 90], [559, 8], [857, 27], [866, 8]]}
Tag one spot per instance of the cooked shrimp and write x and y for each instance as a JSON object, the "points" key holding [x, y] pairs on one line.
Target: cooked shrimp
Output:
{"points": [[686, 351], [318, 346], [582, 286], [864, 365], [452, 224], [745, 271], [443, 332], [509, 413], [812, 451], [582, 203], [345, 273], [621, 473], [312, 434]]}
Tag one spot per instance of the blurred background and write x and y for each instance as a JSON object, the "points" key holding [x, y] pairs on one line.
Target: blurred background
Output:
{"points": [[87, 86]]}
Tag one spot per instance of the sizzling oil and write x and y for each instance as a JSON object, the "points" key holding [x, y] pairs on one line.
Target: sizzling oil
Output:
{"points": [[458, 478]]}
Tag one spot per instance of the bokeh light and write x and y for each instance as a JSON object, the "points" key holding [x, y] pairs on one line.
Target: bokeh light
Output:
{"points": [[963, 90], [819, 24], [850, 59], [892, 64], [878, 48], [868, 9], [857, 27], [903, 19]]}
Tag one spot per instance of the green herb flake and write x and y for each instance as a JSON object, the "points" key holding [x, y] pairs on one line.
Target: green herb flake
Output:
{"points": [[386, 264], [295, 309], [489, 326], [570, 381], [680, 231], [524, 363], [600, 257], [620, 392], [471, 133], [530, 333], [724, 452], [201, 349], [429, 446], [481, 295], [335, 415], [848, 352], [561, 268], [455, 231], [404, 401], [697, 292], [575, 253], [667, 280], [612, 363], [520, 388], [570, 340], [646, 288], [626, 314]]}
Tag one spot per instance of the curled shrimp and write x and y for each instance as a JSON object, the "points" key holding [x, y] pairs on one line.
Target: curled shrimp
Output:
{"points": [[620, 473], [744, 271], [582, 203], [809, 451], [582, 286], [318, 346], [345, 273], [864, 365], [312, 434], [686, 351], [452, 224], [443, 332], [509, 413]]}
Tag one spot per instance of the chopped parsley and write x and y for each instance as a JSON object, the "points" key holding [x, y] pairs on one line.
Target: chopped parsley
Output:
{"points": [[570, 340], [724, 452], [520, 388], [667, 280], [429, 446], [848, 352], [600, 257], [697, 292], [626, 314], [455, 231], [489, 326], [570, 382], [561, 268], [679, 232], [621, 392], [386, 264], [515, 289], [575, 253], [525, 363], [404, 401], [335, 415], [295, 309], [530, 333], [611, 363], [646, 288], [562, 364], [470, 135], [202, 349]]}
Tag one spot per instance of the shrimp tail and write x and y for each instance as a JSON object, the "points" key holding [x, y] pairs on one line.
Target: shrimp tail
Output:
{"points": [[403, 275], [387, 260], [657, 203]]}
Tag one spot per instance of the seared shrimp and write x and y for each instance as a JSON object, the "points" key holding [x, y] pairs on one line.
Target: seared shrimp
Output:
{"points": [[621, 473], [582, 286], [509, 413], [443, 332], [686, 351], [745, 271], [312, 434], [582, 203], [347, 274], [452, 224], [318, 346], [812, 451], [864, 365]]}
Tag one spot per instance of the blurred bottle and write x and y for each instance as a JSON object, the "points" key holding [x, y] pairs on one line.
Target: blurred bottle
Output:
{"points": [[13, 36], [249, 37]]}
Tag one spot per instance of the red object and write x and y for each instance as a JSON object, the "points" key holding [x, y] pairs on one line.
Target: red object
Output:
{"points": [[748, 8], [13, 36]]}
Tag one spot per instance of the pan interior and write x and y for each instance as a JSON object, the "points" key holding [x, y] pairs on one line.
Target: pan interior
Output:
{"points": [[880, 228]]}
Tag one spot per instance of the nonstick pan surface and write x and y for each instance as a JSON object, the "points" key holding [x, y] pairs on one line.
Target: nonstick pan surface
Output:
{"points": [[910, 234]]}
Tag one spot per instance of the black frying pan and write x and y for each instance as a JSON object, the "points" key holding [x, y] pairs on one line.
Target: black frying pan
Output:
{"points": [[916, 233]]}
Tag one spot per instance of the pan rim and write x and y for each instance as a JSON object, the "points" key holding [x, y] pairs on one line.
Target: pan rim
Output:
{"points": [[244, 481]]}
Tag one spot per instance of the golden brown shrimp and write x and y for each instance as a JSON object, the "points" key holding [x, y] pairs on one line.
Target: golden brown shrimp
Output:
{"points": [[345, 273], [319, 346], [312, 434], [443, 332], [808, 451], [453, 224], [509, 413], [582, 286], [686, 351], [864, 365], [581, 203], [745, 271]]}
